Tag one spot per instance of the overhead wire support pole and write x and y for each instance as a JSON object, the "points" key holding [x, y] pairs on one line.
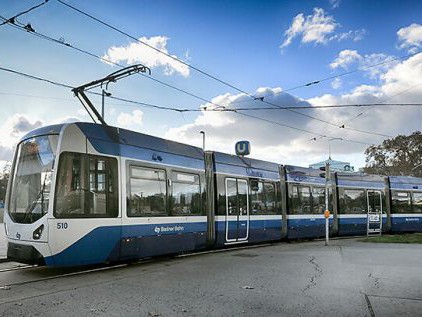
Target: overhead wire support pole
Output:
{"points": [[327, 207], [111, 78]]}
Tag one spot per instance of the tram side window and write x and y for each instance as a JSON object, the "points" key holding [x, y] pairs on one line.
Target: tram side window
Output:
{"points": [[352, 201], [417, 202], [263, 198], [401, 202], [300, 199], [86, 187], [186, 194], [318, 200], [148, 192]]}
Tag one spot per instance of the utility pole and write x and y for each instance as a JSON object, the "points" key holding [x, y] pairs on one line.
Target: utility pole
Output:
{"points": [[327, 210], [203, 140]]}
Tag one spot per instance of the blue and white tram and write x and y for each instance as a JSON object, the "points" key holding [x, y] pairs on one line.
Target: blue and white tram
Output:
{"points": [[83, 193], [360, 197], [406, 204]]}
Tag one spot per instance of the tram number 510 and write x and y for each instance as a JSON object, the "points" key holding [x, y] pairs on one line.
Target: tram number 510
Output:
{"points": [[62, 225]]}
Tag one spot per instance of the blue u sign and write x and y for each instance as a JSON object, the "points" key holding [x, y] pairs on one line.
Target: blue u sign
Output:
{"points": [[243, 148]]}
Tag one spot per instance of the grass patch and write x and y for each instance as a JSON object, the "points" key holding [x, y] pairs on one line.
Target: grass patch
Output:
{"points": [[397, 238]]}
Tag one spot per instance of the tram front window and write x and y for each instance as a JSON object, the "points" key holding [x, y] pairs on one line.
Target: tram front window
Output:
{"points": [[31, 179]]}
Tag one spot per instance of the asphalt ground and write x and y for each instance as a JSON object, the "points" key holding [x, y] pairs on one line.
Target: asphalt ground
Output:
{"points": [[346, 278]]}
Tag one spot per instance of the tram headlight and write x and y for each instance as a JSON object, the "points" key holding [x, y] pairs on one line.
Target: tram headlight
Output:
{"points": [[38, 232]]}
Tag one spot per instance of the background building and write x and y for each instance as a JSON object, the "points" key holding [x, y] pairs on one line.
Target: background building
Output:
{"points": [[335, 166]]}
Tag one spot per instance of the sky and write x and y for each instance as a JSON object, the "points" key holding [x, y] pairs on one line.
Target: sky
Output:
{"points": [[220, 57]]}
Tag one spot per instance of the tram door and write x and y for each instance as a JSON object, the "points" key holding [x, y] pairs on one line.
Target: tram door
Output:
{"points": [[237, 210], [374, 220]]}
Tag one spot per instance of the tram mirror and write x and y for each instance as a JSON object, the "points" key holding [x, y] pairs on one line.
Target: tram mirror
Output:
{"points": [[254, 185]]}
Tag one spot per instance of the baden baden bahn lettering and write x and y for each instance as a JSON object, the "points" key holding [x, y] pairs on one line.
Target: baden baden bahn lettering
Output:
{"points": [[168, 229]]}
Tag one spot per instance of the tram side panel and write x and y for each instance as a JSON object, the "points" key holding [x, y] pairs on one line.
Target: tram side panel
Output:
{"points": [[248, 201], [361, 198], [305, 203], [164, 199], [406, 204], [165, 209]]}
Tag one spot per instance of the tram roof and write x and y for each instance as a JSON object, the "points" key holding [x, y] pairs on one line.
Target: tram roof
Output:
{"points": [[405, 182], [101, 134]]}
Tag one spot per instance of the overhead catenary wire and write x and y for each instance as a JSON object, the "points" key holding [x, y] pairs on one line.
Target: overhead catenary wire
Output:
{"points": [[13, 19], [359, 69], [154, 48], [224, 82], [64, 43], [392, 105], [381, 103], [33, 77], [292, 109], [218, 79], [310, 83], [32, 31]]}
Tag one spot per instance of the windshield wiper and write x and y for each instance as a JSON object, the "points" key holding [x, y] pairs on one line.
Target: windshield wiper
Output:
{"points": [[40, 195]]}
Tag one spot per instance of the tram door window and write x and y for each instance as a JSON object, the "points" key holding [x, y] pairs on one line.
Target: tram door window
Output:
{"points": [[374, 201], [401, 202], [237, 210], [86, 186], [148, 192]]}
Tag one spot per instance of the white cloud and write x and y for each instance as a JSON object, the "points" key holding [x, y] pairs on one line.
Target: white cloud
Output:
{"points": [[13, 129], [411, 37], [374, 65], [335, 3], [382, 64], [280, 144], [6, 154], [400, 84], [269, 141], [313, 28], [128, 120], [69, 119], [355, 36], [21, 125], [336, 83], [318, 28], [345, 58], [140, 53]]}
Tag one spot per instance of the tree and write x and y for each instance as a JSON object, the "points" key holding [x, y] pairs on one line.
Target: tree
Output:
{"points": [[401, 155], [4, 178]]}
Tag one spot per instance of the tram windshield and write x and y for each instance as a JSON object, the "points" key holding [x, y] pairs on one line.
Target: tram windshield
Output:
{"points": [[31, 180]]}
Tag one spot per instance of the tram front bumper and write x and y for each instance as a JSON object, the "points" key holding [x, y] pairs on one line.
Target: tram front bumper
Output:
{"points": [[24, 254]]}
